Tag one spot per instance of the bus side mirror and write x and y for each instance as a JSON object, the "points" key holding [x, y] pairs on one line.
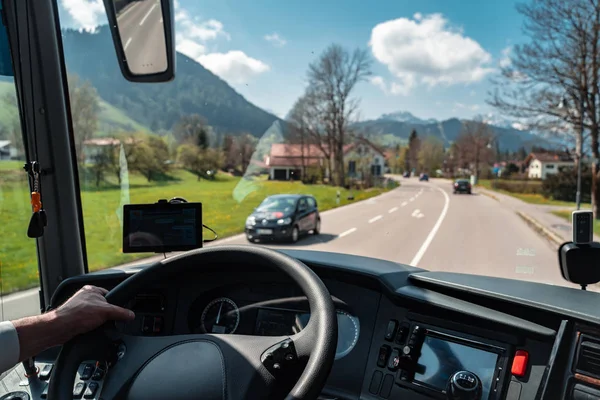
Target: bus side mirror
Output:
{"points": [[143, 34]]}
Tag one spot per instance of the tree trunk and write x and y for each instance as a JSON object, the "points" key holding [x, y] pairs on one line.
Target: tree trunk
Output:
{"points": [[595, 190], [340, 169], [595, 172]]}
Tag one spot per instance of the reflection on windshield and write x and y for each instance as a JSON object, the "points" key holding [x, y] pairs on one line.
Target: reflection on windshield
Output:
{"points": [[277, 204]]}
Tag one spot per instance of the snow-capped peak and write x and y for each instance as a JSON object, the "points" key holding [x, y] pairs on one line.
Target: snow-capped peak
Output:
{"points": [[405, 116]]}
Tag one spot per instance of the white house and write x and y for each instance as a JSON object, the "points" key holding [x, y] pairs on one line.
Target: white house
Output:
{"points": [[7, 150], [539, 165]]}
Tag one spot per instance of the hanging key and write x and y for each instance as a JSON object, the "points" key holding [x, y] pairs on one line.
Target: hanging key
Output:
{"points": [[38, 218]]}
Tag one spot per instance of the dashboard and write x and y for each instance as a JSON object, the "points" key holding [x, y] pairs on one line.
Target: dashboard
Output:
{"points": [[403, 332]]}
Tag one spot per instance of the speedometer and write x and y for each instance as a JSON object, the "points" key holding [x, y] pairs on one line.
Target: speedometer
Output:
{"points": [[221, 315], [348, 332]]}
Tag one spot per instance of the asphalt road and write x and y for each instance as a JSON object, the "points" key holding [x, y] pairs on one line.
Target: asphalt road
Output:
{"points": [[142, 34], [421, 224], [424, 224]]}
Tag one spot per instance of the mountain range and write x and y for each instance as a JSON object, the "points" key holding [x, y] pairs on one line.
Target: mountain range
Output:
{"points": [[195, 89], [154, 107], [400, 124]]}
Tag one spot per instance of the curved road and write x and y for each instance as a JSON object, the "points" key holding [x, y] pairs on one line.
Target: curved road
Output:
{"points": [[424, 224], [421, 224]]}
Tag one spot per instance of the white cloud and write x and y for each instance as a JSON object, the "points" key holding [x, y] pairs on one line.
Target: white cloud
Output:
{"points": [[233, 66], [426, 50], [397, 88], [379, 82], [505, 61], [404, 86], [193, 28], [190, 48], [86, 14], [193, 35], [275, 39]]}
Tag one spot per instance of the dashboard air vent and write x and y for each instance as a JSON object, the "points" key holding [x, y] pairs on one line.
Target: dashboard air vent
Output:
{"points": [[588, 357]]}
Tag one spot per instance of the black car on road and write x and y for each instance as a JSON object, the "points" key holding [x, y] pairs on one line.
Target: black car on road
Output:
{"points": [[462, 186], [284, 217]]}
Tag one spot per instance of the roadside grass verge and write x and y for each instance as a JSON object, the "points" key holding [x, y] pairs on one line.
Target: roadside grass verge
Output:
{"points": [[528, 198], [566, 214]]}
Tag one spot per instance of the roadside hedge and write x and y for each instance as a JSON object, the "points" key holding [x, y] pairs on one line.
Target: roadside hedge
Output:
{"points": [[563, 185], [522, 187]]}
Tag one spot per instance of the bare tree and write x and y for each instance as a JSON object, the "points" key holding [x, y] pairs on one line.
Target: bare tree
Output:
{"points": [[474, 146], [311, 119], [246, 144], [85, 109], [298, 133], [331, 79], [560, 60]]}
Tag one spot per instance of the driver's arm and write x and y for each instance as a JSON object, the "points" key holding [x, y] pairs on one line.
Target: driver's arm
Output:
{"points": [[84, 311]]}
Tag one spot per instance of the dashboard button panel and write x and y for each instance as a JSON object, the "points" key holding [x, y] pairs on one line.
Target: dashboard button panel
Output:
{"points": [[78, 390], [391, 330], [382, 358], [91, 390], [386, 387], [278, 357], [45, 372], [394, 362], [88, 370], [375, 382]]}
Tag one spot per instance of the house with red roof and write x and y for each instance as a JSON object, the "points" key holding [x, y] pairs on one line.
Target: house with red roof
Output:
{"points": [[287, 161]]}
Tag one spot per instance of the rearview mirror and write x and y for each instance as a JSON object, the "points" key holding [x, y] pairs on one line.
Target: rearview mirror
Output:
{"points": [[142, 31]]}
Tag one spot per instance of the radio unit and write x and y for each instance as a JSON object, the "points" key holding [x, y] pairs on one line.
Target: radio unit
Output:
{"points": [[446, 365]]}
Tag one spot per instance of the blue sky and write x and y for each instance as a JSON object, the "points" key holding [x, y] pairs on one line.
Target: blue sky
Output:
{"points": [[433, 58]]}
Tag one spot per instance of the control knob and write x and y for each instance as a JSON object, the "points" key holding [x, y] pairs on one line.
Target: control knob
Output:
{"points": [[464, 385]]}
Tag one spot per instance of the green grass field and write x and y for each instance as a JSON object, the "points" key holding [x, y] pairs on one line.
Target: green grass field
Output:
{"points": [[226, 204], [528, 198], [566, 214]]}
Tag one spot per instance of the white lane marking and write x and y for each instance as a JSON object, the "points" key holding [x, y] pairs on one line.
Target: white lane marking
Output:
{"points": [[524, 269], [346, 233], [127, 44], [125, 13], [393, 209], [161, 21], [412, 199], [526, 252], [417, 214], [377, 218], [403, 204], [147, 14], [436, 227]]}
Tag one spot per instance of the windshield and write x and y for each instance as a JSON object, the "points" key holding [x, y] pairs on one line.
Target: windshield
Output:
{"points": [[374, 111]]}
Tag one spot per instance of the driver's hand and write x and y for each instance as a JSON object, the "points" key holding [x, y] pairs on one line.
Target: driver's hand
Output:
{"points": [[88, 309]]}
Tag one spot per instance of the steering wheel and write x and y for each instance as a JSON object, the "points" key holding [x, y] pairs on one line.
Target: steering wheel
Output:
{"points": [[206, 366]]}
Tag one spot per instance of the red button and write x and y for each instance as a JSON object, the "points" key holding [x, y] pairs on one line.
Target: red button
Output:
{"points": [[519, 366]]}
